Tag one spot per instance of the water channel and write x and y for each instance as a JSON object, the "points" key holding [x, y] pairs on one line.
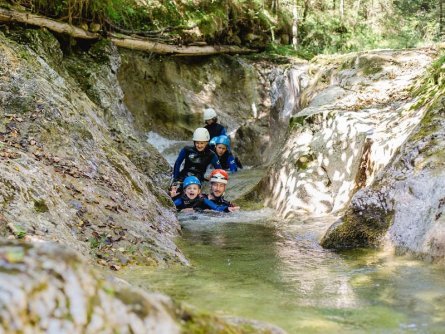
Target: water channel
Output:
{"points": [[248, 265], [252, 264]]}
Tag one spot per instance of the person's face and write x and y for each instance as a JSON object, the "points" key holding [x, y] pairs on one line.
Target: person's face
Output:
{"points": [[201, 145], [192, 191], [221, 149], [217, 188], [210, 121]]}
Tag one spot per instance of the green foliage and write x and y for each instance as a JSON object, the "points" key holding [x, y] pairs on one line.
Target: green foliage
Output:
{"points": [[266, 24], [40, 206], [20, 232]]}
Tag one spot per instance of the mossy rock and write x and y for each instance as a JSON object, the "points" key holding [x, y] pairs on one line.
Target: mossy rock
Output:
{"points": [[358, 228]]}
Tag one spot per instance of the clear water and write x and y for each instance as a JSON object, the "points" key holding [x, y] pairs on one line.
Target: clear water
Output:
{"points": [[249, 266]]}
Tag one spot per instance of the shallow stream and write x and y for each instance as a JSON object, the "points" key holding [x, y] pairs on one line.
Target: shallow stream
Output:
{"points": [[247, 265], [252, 264]]}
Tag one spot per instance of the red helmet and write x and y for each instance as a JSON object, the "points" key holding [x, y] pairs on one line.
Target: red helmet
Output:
{"points": [[219, 175]]}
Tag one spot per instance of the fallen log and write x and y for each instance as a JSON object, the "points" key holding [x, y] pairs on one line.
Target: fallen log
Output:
{"points": [[160, 48], [7, 15], [122, 41]]}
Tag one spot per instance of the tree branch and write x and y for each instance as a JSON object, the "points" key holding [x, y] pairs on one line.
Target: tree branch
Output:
{"points": [[63, 28], [123, 41]]}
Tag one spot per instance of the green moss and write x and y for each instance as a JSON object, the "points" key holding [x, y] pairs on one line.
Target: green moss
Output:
{"points": [[19, 231], [193, 322], [297, 121], [371, 65], [304, 161], [40, 206], [358, 229]]}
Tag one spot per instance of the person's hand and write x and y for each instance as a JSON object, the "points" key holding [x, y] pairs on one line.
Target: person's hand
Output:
{"points": [[188, 210], [233, 208], [210, 197], [174, 191]]}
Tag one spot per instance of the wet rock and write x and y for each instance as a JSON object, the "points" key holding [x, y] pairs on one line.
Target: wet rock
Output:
{"points": [[46, 288], [408, 196], [355, 113], [60, 157]]}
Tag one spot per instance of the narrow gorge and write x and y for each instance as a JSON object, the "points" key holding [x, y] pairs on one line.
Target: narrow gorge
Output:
{"points": [[341, 152]]}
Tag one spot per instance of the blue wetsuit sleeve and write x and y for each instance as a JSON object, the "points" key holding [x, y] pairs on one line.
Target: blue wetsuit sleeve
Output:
{"points": [[211, 205], [232, 164], [178, 202], [215, 162], [178, 163]]}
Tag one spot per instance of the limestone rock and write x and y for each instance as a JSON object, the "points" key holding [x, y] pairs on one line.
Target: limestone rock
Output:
{"points": [[73, 167], [48, 289]]}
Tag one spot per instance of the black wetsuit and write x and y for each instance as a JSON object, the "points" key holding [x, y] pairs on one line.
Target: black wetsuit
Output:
{"points": [[195, 164], [215, 130], [184, 202]]}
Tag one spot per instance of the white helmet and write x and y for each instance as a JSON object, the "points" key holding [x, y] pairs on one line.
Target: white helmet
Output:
{"points": [[209, 113], [201, 134]]}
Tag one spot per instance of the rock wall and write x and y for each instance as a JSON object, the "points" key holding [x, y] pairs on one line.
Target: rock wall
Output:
{"points": [[403, 208], [253, 99], [356, 112], [48, 289], [73, 168]]}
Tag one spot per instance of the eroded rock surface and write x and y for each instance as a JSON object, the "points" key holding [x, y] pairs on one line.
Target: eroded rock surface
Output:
{"points": [[254, 99], [73, 168], [47, 289], [407, 199], [358, 112]]}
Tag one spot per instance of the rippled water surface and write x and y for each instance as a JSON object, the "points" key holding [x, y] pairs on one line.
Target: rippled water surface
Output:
{"points": [[249, 264], [244, 265]]}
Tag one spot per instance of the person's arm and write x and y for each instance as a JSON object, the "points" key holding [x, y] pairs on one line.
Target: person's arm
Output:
{"points": [[215, 161], [178, 163], [238, 163], [223, 131], [213, 206], [232, 164], [179, 203]]}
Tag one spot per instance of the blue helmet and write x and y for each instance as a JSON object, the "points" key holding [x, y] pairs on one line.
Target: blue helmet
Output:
{"points": [[223, 140], [191, 180], [212, 141]]}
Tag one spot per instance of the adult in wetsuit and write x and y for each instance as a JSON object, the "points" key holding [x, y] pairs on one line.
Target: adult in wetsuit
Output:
{"points": [[215, 200], [211, 120], [196, 158]]}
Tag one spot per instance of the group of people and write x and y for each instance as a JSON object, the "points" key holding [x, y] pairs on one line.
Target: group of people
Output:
{"points": [[211, 146]]}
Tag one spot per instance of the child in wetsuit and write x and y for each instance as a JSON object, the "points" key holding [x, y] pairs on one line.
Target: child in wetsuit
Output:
{"points": [[222, 149], [196, 158], [191, 199]]}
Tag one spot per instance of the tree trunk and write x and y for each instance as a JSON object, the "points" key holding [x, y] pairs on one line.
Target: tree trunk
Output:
{"points": [[122, 40], [441, 19], [306, 9], [35, 20], [342, 9], [295, 26]]}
